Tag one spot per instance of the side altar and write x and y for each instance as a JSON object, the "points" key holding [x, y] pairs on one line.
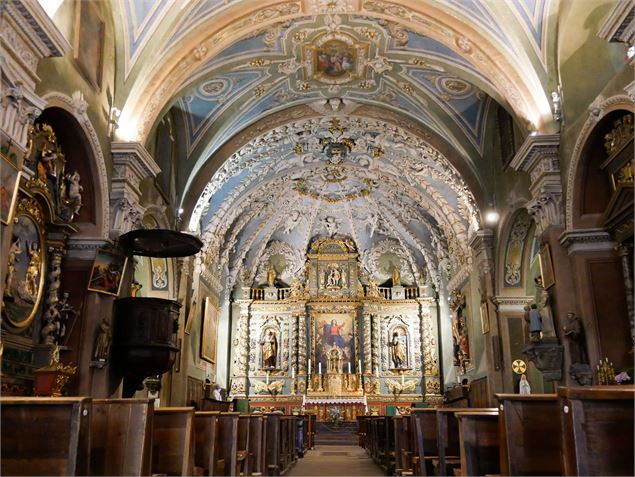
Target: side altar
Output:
{"points": [[333, 338]]}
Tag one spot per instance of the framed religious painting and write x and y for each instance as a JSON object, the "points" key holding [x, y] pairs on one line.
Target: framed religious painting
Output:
{"points": [[9, 184], [209, 334], [26, 266], [484, 317], [107, 272], [546, 267]]}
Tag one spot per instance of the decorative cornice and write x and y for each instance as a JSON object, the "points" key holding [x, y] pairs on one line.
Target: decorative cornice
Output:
{"points": [[511, 303], [535, 147], [482, 240], [134, 155], [85, 248], [43, 27], [459, 277], [620, 25], [586, 240]]}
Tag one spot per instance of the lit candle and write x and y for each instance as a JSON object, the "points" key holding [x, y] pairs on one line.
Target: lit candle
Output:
{"points": [[309, 366], [359, 366], [267, 377], [320, 368], [292, 373], [349, 367], [377, 371]]}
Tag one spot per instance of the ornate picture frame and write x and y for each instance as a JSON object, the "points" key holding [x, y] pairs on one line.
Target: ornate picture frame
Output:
{"points": [[209, 334], [9, 185], [546, 267], [484, 317], [107, 272], [26, 269]]}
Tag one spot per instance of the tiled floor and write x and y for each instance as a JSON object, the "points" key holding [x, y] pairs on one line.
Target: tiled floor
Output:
{"points": [[335, 460]]}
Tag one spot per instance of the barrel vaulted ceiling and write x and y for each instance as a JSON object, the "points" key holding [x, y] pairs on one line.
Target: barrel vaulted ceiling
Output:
{"points": [[359, 118]]}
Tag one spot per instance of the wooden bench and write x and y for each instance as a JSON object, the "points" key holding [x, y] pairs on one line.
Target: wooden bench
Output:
{"points": [[479, 442], [227, 444], [530, 434], [597, 425], [45, 436], [242, 449], [425, 445], [448, 440], [257, 445], [362, 430], [311, 430], [121, 436], [205, 441], [173, 441], [273, 450], [402, 439]]}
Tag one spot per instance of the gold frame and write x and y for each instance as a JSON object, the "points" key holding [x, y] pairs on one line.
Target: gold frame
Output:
{"points": [[6, 162], [484, 317], [209, 331], [28, 207], [546, 267]]}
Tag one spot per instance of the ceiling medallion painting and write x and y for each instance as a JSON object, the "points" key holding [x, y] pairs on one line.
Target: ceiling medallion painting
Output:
{"points": [[334, 58]]}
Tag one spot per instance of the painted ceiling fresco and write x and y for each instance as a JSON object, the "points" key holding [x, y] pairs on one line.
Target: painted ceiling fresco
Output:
{"points": [[348, 164]]}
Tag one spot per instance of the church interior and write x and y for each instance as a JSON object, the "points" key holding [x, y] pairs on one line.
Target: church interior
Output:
{"points": [[317, 237]]}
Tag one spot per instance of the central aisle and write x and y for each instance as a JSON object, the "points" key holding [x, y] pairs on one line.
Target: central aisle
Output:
{"points": [[335, 460]]}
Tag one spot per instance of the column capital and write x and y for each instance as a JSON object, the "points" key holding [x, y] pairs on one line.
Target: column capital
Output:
{"points": [[511, 303], [535, 148]]}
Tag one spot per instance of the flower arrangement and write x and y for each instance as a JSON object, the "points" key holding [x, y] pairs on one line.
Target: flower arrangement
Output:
{"points": [[622, 378]]}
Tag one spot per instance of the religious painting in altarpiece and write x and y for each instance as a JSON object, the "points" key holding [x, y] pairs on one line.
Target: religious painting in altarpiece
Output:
{"points": [[334, 341]]}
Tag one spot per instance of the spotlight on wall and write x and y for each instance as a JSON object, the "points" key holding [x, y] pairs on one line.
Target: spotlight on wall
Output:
{"points": [[491, 217]]}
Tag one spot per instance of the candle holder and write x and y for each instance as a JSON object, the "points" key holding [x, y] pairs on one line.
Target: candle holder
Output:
{"points": [[320, 385]]}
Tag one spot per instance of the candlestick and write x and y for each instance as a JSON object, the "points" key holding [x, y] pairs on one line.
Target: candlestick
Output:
{"points": [[320, 368], [349, 367]]}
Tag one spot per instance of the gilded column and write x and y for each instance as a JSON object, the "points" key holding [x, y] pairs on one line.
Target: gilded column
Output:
{"points": [[375, 344], [239, 385], [302, 345], [368, 364]]}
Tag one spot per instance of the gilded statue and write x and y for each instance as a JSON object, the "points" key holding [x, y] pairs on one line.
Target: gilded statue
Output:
{"points": [[396, 277], [13, 256], [271, 276], [269, 349], [33, 270], [398, 351]]}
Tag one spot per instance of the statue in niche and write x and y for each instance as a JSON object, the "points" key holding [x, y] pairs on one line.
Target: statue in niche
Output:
{"points": [[334, 276], [580, 370], [271, 276], [33, 270], [396, 277], [13, 257], [269, 349], [398, 350], [544, 307]]}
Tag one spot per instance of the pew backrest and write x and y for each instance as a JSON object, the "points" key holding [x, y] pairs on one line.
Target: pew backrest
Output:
{"points": [[597, 424], [205, 437], [530, 436], [45, 436], [121, 437], [479, 442], [227, 444], [173, 441]]}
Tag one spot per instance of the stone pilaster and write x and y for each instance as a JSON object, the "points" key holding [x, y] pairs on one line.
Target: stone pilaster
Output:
{"points": [[131, 165], [538, 156], [27, 35]]}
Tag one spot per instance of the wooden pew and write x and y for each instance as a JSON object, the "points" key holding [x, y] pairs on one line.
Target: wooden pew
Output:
{"points": [[425, 446], [597, 424], [226, 447], [206, 446], [402, 439], [242, 452], [311, 431], [273, 449], [530, 435], [479, 444], [448, 441], [121, 436], [362, 430], [257, 445], [45, 436], [173, 441]]}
